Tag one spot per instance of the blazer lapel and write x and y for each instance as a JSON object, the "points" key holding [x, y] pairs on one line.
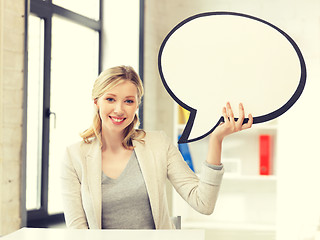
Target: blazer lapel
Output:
{"points": [[145, 159], [93, 161]]}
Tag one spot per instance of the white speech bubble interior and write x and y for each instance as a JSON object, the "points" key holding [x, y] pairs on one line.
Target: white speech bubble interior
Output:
{"points": [[213, 59]]}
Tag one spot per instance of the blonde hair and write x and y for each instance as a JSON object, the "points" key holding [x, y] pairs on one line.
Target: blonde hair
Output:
{"points": [[107, 80]]}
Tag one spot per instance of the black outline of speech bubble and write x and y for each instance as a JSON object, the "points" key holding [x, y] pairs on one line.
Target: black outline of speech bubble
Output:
{"points": [[264, 118]]}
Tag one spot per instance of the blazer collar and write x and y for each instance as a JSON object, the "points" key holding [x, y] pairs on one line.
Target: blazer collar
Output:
{"points": [[145, 159]]}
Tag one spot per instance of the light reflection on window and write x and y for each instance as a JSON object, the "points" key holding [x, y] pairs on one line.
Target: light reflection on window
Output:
{"points": [[74, 67], [34, 114]]}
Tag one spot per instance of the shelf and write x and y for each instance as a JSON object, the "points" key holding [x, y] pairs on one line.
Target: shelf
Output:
{"points": [[271, 178], [253, 178], [249, 185]]}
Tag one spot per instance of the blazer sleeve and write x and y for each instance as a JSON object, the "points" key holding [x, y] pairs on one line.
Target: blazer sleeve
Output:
{"points": [[200, 193], [71, 195]]}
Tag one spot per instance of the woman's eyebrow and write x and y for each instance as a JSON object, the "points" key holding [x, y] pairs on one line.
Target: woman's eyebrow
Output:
{"points": [[110, 94]]}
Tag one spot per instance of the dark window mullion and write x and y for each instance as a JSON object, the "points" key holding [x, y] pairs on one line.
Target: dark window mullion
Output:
{"points": [[77, 18], [45, 9], [42, 9], [46, 114]]}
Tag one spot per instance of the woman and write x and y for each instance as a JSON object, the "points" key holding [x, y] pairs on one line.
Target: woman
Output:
{"points": [[116, 176]]}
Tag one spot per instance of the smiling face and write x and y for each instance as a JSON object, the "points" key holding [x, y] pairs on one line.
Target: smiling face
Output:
{"points": [[117, 107]]}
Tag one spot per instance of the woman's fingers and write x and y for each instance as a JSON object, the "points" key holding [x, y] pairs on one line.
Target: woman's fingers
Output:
{"points": [[241, 117], [229, 125], [248, 124], [230, 113], [224, 114], [229, 118]]}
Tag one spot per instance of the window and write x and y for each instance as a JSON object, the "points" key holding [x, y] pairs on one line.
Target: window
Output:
{"points": [[63, 61]]}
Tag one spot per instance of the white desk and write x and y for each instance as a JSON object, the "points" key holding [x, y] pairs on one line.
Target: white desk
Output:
{"points": [[79, 234]]}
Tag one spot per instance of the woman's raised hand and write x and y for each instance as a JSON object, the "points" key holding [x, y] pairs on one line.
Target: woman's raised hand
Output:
{"points": [[229, 125]]}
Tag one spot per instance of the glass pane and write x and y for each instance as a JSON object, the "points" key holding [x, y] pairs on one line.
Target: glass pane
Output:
{"points": [[121, 38], [74, 68], [34, 113], [88, 8]]}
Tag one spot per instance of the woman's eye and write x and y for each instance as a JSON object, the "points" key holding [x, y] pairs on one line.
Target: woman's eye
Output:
{"points": [[110, 99], [129, 101]]}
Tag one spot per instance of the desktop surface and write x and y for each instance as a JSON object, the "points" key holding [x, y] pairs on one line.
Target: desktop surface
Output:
{"points": [[83, 234]]}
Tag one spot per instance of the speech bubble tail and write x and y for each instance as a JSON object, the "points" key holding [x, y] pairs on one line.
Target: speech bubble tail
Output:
{"points": [[186, 132]]}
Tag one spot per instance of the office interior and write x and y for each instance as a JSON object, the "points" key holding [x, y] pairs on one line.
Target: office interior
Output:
{"points": [[51, 52]]}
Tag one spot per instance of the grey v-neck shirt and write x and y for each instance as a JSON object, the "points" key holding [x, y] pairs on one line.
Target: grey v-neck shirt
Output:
{"points": [[125, 200]]}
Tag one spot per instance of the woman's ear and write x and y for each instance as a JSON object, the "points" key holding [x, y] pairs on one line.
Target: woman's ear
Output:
{"points": [[96, 106]]}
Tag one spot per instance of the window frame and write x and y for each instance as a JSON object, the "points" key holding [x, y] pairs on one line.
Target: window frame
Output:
{"points": [[45, 9]]}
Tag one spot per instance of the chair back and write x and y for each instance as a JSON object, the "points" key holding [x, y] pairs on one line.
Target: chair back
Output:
{"points": [[176, 221]]}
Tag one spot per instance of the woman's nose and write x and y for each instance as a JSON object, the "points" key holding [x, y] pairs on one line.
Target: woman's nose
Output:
{"points": [[118, 108]]}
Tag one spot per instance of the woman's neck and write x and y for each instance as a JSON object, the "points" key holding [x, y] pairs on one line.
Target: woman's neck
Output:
{"points": [[111, 141]]}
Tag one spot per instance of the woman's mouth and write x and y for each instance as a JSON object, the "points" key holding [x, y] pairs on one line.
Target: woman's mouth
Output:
{"points": [[117, 120]]}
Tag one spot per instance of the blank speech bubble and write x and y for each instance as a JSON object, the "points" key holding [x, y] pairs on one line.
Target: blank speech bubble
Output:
{"points": [[215, 57]]}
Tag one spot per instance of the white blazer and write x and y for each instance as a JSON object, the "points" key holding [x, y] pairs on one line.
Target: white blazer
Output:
{"points": [[159, 159]]}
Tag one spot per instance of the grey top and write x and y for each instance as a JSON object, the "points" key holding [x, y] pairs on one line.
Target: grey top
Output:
{"points": [[125, 200]]}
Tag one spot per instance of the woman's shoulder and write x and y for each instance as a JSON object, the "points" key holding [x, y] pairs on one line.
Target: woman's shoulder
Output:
{"points": [[155, 134], [157, 137], [82, 145]]}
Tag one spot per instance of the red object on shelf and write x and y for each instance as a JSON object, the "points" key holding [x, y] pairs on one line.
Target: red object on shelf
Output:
{"points": [[265, 154]]}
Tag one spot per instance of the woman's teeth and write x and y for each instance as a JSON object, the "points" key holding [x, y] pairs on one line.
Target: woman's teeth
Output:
{"points": [[118, 119]]}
